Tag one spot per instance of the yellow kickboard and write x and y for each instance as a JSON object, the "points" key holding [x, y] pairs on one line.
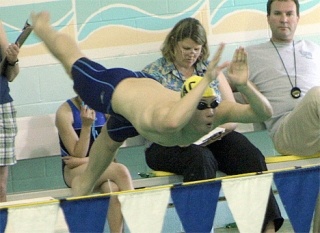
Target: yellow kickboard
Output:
{"points": [[162, 173], [288, 158], [269, 159]]}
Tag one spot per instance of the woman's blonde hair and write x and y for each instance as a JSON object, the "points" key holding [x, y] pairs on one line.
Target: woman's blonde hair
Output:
{"points": [[186, 28]]}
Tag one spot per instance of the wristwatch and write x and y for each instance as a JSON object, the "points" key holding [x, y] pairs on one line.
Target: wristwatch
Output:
{"points": [[13, 63]]}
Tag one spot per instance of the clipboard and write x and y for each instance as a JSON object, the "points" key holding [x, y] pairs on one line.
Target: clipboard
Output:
{"points": [[212, 136], [26, 30]]}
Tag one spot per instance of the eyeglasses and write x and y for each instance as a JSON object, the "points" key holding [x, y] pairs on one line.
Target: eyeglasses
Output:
{"points": [[204, 105], [187, 51]]}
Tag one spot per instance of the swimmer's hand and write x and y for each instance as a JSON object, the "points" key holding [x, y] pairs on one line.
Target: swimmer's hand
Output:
{"points": [[72, 161], [214, 69], [87, 115], [238, 69]]}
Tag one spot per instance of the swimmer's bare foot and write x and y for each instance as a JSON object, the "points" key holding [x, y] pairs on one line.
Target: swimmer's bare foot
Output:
{"points": [[79, 187], [40, 21]]}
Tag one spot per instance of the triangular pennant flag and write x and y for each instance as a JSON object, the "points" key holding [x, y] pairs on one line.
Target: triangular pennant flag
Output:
{"points": [[3, 219], [36, 218], [298, 190], [61, 224], [144, 211], [196, 205], [87, 214], [247, 198]]}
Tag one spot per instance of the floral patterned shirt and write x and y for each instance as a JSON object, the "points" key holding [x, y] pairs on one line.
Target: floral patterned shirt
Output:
{"points": [[166, 73]]}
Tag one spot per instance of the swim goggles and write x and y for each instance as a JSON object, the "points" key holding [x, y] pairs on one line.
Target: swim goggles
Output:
{"points": [[203, 105]]}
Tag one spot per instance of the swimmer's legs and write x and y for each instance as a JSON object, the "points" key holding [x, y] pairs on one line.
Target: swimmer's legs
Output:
{"points": [[61, 45]]}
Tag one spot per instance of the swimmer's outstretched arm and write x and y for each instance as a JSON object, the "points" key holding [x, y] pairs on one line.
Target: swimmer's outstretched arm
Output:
{"points": [[61, 45], [258, 109], [183, 110]]}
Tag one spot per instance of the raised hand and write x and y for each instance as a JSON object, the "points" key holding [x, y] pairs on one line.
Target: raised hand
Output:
{"points": [[88, 116], [238, 70], [214, 69]]}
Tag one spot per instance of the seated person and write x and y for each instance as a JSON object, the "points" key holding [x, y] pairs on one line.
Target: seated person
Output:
{"points": [[78, 126], [290, 81]]}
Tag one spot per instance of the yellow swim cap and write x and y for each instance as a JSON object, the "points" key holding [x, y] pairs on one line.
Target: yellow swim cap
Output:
{"points": [[191, 82]]}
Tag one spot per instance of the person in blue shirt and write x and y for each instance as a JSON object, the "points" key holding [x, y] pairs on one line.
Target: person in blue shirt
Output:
{"points": [[8, 125]]}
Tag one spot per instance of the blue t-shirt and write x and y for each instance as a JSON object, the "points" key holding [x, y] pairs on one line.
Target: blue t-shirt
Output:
{"points": [[4, 90]]}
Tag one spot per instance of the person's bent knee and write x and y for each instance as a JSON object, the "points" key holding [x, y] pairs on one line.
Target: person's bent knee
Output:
{"points": [[122, 171], [109, 187], [313, 94]]}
